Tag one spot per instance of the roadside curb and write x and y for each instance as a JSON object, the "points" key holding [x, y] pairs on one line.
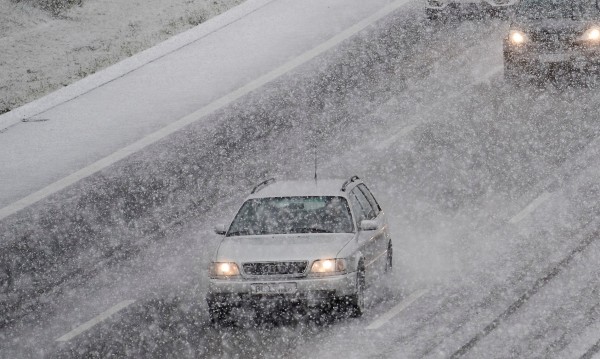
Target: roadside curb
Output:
{"points": [[129, 64]]}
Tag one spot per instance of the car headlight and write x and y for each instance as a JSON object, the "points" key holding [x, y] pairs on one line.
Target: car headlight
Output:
{"points": [[224, 270], [591, 35], [328, 267], [517, 37]]}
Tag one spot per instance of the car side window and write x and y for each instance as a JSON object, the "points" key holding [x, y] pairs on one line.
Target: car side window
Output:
{"points": [[363, 188], [359, 214], [367, 209]]}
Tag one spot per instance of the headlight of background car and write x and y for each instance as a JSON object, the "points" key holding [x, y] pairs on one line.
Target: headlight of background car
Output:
{"points": [[328, 267], [224, 270], [591, 35], [517, 37]]}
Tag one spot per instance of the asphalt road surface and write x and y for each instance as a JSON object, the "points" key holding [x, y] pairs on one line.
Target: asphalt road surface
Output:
{"points": [[491, 190]]}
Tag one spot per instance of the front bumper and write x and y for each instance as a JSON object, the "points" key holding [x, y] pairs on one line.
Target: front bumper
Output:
{"points": [[309, 291], [535, 55]]}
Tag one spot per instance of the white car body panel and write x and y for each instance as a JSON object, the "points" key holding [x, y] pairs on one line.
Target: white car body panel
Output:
{"points": [[286, 247]]}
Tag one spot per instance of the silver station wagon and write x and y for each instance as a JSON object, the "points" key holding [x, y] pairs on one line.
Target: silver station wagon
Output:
{"points": [[318, 244]]}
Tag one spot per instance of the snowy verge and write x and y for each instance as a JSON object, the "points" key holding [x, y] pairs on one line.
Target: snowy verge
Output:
{"points": [[128, 65]]}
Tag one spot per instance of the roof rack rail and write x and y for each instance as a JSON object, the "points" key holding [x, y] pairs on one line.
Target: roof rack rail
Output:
{"points": [[261, 185], [352, 179]]}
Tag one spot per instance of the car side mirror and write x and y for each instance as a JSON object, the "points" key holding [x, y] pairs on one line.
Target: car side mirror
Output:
{"points": [[368, 225], [220, 229]]}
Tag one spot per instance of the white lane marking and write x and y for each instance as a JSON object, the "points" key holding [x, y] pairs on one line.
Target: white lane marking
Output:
{"points": [[197, 115], [89, 324], [396, 310], [530, 208], [582, 343]]}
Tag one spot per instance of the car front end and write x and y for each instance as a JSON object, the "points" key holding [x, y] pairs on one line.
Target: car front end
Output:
{"points": [[309, 283], [576, 46], [301, 249], [553, 34]]}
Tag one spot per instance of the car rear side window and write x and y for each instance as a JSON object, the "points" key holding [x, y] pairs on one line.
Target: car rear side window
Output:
{"points": [[359, 214], [370, 198], [364, 206]]}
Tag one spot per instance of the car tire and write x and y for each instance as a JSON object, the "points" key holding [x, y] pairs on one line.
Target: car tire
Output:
{"points": [[389, 259], [218, 312], [357, 300]]}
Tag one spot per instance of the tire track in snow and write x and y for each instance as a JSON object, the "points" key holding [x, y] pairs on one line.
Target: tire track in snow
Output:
{"points": [[592, 351], [523, 299]]}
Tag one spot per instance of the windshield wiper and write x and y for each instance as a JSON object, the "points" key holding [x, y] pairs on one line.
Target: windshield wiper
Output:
{"points": [[309, 230]]}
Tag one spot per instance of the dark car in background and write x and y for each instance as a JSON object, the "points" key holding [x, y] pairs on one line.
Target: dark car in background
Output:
{"points": [[437, 9], [547, 34]]}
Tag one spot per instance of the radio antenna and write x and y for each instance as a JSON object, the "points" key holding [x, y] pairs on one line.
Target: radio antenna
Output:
{"points": [[315, 163]]}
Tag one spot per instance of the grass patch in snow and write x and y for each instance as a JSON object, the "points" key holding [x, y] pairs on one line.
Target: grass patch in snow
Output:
{"points": [[48, 44], [55, 7]]}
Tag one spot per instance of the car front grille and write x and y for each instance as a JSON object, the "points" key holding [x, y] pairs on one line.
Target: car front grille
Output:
{"points": [[553, 39], [275, 268]]}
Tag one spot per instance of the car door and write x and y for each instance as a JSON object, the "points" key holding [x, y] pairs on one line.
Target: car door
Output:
{"points": [[368, 240], [382, 225]]}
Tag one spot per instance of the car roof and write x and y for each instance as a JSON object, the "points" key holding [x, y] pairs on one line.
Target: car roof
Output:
{"points": [[328, 187]]}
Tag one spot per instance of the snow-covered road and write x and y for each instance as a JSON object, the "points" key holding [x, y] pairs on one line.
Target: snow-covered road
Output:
{"points": [[160, 95], [492, 191]]}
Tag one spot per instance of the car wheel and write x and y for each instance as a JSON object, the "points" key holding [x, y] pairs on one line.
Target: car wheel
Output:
{"points": [[512, 73], [357, 300], [218, 312], [390, 259]]}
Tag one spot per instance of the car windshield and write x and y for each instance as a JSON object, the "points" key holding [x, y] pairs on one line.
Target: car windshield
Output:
{"points": [[281, 215], [558, 9]]}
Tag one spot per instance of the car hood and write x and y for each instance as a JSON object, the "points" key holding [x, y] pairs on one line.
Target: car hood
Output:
{"points": [[282, 247]]}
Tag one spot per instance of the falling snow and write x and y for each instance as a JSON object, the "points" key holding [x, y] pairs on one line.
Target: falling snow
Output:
{"points": [[489, 185]]}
